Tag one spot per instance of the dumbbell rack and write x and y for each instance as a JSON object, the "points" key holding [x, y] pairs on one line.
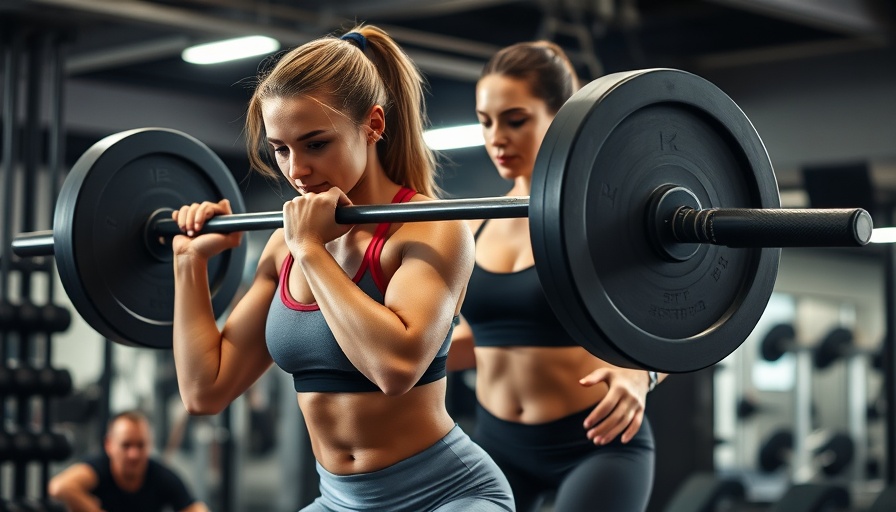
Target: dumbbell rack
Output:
{"points": [[28, 382]]}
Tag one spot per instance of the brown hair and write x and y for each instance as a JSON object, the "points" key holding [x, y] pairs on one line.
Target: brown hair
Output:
{"points": [[543, 65], [352, 78], [132, 415]]}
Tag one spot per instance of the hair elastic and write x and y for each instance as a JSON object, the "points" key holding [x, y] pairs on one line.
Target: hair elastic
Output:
{"points": [[357, 37]]}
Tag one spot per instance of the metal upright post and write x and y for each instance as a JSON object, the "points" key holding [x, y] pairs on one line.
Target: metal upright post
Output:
{"points": [[801, 470], [10, 49], [9, 152], [889, 356], [857, 384]]}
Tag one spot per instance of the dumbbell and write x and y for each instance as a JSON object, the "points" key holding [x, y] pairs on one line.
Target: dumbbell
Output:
{"points": [[7, 315], [877, 361], [838, 344], [813, 497], [775, 451], [54, 319], [31, 318], [54, 381], [23, 505], [37, 264], [832, 455], [779, 340], [28, 317], [6, 450], [747, 407], [21, 317], [51, 505], [48, 318], [26, 381], [79, 407], [6, 384], [32, 505], [706, 491], [24, 445], [52, 446]]}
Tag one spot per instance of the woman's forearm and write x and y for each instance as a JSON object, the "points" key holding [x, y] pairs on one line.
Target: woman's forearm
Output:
{"points": [[197, 339], [374, 338]]}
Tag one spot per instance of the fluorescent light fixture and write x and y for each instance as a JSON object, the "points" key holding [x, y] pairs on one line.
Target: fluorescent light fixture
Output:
{"points": [[230, 49], [455, 137], [883, 236]]}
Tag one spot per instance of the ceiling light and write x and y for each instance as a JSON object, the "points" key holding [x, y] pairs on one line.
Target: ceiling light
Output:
{"points": [[883, 236], [455, 137], [230, 49]]}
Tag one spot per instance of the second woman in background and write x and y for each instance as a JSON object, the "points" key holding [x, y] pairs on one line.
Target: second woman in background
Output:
{"points": [[555, 418]]}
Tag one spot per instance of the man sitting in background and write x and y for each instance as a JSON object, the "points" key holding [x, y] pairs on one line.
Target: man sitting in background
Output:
{"points": [[124, 478]]}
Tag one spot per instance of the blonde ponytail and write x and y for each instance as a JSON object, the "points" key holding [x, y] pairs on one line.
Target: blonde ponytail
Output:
{"points": [[357, 74]]}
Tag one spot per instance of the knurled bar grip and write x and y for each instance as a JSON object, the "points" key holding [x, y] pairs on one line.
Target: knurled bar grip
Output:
{"points": [[736, 227]]}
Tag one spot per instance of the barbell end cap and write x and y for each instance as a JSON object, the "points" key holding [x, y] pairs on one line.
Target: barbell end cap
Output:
{"points": [[35, 243], [156, 238], [863, 226]]}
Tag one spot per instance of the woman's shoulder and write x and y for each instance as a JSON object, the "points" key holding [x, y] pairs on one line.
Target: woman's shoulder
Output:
{"points": [[472, 224], [430, 228]]}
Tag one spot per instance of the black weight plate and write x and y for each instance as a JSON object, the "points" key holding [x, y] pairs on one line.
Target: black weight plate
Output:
{"points": [[120, 287], [610, 146]]}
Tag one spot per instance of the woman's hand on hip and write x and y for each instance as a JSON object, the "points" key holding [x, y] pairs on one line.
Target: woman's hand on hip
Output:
{"points": [[621, 411]]}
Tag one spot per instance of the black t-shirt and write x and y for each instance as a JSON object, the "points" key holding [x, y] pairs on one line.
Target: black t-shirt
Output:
{"points": [[161, 488]]}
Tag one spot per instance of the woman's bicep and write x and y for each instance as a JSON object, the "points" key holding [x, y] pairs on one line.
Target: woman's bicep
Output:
{"points": [[428, 285]]}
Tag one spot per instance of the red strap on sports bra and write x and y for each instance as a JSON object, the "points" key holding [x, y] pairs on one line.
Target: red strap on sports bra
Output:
{"points": [[371, 259], [372, 255]]}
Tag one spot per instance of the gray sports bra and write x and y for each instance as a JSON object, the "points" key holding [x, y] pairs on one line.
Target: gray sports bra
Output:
{"points": [[301, 343]]}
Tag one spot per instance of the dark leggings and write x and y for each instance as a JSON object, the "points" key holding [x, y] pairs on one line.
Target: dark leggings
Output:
{"points": [[556, 456]]}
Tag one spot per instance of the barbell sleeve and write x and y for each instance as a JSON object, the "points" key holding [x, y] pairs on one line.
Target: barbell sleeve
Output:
{"points": [[743, 227], [35, 243]]}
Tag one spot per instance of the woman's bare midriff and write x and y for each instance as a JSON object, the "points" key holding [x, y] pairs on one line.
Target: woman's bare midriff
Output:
{"points": [[534, 385], [355, 433]]}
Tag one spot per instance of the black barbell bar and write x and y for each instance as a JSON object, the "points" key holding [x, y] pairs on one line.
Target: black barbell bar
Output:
{"points": [[732, 227]]}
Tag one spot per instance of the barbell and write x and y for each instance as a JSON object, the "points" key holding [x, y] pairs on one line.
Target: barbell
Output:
{"points": [[654, 215]]}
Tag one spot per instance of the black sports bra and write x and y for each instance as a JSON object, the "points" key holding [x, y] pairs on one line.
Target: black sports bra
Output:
{"points": [[510, 309]]}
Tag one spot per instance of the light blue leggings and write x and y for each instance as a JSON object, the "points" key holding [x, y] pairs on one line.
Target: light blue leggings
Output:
{"points": [[452, 475]]}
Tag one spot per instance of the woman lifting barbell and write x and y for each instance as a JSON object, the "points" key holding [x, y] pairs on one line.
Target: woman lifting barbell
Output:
{"points": [[361, 315]]}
